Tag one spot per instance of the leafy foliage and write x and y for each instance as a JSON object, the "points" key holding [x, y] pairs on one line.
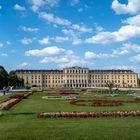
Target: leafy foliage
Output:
{"points": [[10, 79], [3, 77]]}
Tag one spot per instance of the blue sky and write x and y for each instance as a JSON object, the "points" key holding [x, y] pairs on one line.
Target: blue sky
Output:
{"points": [[52, 34]]}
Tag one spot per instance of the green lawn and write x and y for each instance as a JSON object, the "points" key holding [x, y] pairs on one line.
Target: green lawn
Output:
{"points": [[21, 122]]}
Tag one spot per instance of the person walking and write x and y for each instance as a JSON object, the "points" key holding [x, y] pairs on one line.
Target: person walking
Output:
{"points": [[4, 90]]}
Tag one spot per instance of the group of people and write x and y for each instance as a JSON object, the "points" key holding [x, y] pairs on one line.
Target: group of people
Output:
{"points": [[6, 90]]}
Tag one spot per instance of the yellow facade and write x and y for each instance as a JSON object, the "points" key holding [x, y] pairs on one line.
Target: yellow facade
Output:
{"points": [[77, 77]]}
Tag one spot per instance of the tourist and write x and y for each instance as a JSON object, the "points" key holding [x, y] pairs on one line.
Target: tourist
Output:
{"points": [[7, 89], [4, 90]]}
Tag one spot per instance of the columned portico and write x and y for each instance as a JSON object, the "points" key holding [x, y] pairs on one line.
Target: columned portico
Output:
{"points": [[76, 77]]}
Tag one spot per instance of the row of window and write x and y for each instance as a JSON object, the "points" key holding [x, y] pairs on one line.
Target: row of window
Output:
{"points": [[76, 76], [113, 81], [113, 76], [82, 81], [76, 71], [84, 76], [77, 81], [59, 81]]}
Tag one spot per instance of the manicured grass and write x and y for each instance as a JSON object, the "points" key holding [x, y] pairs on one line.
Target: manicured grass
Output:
{"points": [[2, 98], [21, 122], [28, 127], [36, 104]]}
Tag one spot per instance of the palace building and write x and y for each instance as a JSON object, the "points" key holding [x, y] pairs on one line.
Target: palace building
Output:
{"points": [[77, 77]]}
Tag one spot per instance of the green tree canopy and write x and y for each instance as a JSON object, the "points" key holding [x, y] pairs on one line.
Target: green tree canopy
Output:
{"points": [[10, 79], [14, 80], [3, 77]]}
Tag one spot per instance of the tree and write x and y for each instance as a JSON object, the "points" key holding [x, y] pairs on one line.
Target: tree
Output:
{"points": [[10, 79], [3, 77], [110, 85], [138, 82], [14, 80]]}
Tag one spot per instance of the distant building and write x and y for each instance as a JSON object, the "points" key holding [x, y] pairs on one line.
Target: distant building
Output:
{"points": [[77, 77]]}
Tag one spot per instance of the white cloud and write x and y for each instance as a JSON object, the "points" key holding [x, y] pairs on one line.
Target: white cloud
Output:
{"points": [[74, 37], [52, 3], [1, 45], [64, 22], [98, 28], [23, 65], [34, 8], [54, 19], [29, 29], [92, 55], [74, 62], [123, 34], [54, 50], [135, 59], [69, 32], [131, 47], [26, 41], [127, 32], [4, 54], [125, 49], [44, 41], [101, 38], [0, 7], [74, 2], [120, 51], [133, 7], [76, 41], [37, 2], [81, 28], [66, 60], [55, 60], [133, 20], [60, 39], [19, 7], [123, 67]]}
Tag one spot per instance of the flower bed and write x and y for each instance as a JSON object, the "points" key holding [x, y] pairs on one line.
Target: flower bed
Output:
{"points": [[12, 100], [20, 96], [88, 114], [67, 92], [106, 103], [97, 102], [101, 102], [11, 103]]}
